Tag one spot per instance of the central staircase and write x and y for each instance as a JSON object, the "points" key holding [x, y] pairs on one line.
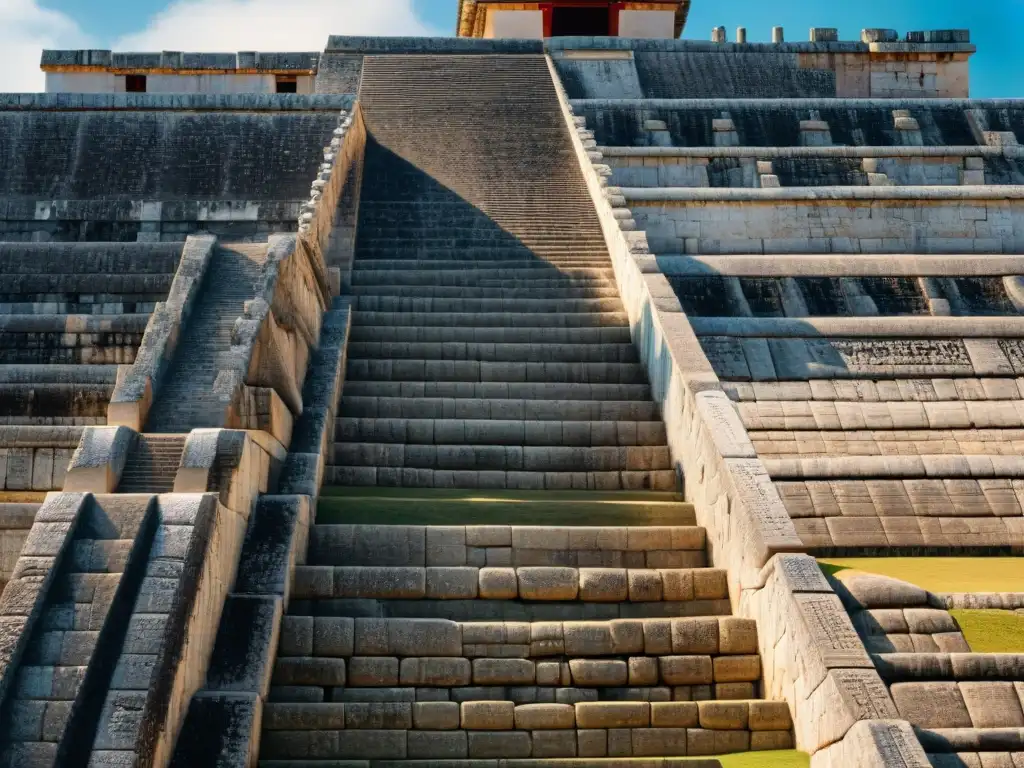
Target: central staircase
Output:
{"points": [[489, 345], [561, 607]]}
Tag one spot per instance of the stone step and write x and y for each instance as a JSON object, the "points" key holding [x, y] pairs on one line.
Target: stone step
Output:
{"points": [[496, 731], [539, 215], [399, 304], [595, 412], [518, 694], [416, 248], [494, 293], [305, 637], [371, 231], [606, 582], [348, 712], [580, 434], [609, 335], [459, 281], [450, 269], [509, 372], [679, 546], [479, 610], [456, 674], [152, 464], [416, 233], [492, 390], [490, 352], [503, 458], [493, 319], [391, 477]]}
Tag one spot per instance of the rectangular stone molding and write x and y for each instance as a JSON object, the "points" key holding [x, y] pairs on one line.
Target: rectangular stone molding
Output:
{"points": [[876, 744], [812, 656], [253, 458], [724, 426], [98, 461]]}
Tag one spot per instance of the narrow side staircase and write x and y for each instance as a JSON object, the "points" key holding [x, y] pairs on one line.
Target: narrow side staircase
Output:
{"points": [[187, 400], [152, 464]]}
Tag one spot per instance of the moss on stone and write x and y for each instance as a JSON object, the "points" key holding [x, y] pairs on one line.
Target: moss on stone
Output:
{"points": [[481, 507]]}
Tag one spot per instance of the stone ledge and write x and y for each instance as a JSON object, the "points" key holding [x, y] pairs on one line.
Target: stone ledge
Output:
{"points": [[922, 194], [436, 46], [560, 45], [903, 327], [832, 265], [814, 152], [175, 62], [793, 104], [902, 467], [188, 102]]}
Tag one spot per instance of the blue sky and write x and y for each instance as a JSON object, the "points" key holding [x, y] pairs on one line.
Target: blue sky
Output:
{"points": [[996, 26]]}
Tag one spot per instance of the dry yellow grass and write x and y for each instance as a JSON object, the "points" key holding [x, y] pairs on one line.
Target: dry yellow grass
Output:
{"points": [[992, 631], [942, 574]]}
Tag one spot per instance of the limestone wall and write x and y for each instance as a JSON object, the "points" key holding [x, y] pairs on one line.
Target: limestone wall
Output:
{"points": [[879, 66], [103, 71], [779, 222], [37, 461], [775, 124], [233, 165]]}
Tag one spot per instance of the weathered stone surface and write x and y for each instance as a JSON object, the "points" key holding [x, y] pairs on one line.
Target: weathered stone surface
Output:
{"points": [[723, 715], [540, 717], [599, 673], [678, 714], [604, 585], [435, 672], [613, 715], [436, 715], [508, 745], [488, 715], [695, 636], [498, 584], [548, 583], [931, 705], [504, 672]]}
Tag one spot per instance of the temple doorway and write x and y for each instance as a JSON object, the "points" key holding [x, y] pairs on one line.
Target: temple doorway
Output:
{"points": [[580, 22]]}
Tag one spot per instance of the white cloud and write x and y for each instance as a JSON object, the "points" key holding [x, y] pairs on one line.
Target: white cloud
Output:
{"points": [[270, 25], [25, 30]]}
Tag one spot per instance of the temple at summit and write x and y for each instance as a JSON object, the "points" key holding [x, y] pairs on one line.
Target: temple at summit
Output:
{"points": [[558, 393]]}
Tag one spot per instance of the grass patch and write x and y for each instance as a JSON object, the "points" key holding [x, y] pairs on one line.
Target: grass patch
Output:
{"points": [[940, 574], [22, 497], [788, 759], [992, 631], [475, 493], [476, 507]]}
